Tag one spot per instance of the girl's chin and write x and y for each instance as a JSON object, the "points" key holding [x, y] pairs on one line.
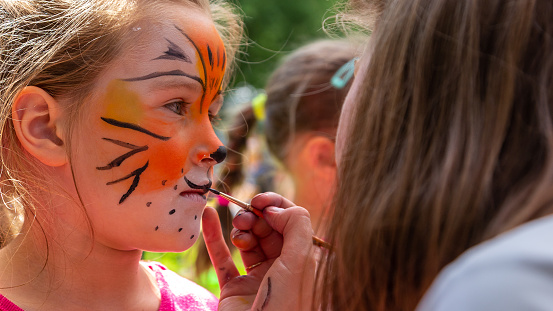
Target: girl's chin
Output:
{"points": [[172, 239]]}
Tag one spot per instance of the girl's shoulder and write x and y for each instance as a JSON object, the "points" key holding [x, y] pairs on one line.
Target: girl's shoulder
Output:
{"points": [[178, 293]]}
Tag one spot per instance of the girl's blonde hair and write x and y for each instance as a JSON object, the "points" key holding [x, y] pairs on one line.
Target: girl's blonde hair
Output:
{"points": [[61, 46]]}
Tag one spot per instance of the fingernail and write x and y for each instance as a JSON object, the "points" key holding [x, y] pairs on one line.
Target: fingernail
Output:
{"points": [[238, 233], [272, 210]]}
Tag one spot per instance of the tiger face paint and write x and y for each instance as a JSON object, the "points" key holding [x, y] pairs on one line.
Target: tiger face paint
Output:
{"points": [[150, 146]]}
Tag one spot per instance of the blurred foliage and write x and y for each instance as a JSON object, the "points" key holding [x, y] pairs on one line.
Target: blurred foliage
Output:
{"points": [[274, 28]]}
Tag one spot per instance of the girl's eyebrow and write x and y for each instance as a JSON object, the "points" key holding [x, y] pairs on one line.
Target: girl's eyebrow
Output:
{"points": [[178, 83], [166, 73]]}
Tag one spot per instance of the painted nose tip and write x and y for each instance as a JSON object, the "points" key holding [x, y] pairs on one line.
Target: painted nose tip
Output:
{"points": [[220, 154]]}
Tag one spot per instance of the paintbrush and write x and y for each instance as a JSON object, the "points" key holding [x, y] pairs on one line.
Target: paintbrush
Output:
{"points": [[248, 207]]}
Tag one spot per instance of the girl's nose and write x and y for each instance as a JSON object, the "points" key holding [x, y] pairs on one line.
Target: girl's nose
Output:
{"points": [[213, 158], [210, 150], [220, 154]]}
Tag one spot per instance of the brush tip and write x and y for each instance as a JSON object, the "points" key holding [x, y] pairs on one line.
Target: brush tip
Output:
{"points": [[214, 191]]}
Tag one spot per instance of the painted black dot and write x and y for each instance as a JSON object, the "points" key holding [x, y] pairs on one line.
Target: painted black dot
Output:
{"points": [[157, 227], [171, 212], [148, 204], [195, 217], [163, 182], [180, 229], [175, 187], [191, 237], [182, 170]]}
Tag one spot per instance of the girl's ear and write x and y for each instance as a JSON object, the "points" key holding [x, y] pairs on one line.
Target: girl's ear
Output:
{"points": [[318, 156], [37, 121]]}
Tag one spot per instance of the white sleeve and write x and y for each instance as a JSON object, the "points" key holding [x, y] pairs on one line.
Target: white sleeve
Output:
{"points": [[526, 285]]}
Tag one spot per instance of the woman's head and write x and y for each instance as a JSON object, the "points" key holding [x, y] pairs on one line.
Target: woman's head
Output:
{"points": [[301, 116], [300, 96], [92, 64], [449, 143]]}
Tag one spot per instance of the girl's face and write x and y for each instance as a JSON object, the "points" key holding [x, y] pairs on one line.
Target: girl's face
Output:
{"points": [[144, 151]]}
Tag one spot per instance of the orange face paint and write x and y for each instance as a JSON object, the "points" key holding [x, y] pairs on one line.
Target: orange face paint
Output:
{"points": [[211, 64], [157, 151]]}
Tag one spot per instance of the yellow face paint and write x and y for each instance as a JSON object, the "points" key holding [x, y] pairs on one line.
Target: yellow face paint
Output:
{"points": [[122, 103]]}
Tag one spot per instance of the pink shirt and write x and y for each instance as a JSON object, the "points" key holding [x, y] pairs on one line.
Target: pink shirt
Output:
{"points": [[177, 293]]}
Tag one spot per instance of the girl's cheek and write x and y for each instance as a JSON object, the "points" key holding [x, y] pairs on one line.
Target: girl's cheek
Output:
{"points": [[168, 163]]}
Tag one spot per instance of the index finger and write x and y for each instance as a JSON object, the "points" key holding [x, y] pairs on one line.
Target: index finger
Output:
{"points": [[217, 248]]}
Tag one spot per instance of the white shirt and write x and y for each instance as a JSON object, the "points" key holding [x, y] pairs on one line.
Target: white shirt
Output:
{"points": [[513, 271]]}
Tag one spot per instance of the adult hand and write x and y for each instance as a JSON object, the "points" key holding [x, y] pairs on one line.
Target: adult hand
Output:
{"points": [[277, 251]]}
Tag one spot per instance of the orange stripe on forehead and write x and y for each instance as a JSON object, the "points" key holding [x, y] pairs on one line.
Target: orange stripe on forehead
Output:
{"points": [[211, 66]]}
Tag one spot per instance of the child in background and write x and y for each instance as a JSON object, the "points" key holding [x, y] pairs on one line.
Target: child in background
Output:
{"points": [[304, 98], [298, 117], [107, 148]]}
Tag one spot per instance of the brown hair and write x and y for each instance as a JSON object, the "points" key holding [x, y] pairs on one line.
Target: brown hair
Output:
{"points": [[61, 47], [450, 143], [300, 97]]}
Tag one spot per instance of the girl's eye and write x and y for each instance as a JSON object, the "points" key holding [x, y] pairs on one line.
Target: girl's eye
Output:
{"points": [[178, 106], [215, 119]]}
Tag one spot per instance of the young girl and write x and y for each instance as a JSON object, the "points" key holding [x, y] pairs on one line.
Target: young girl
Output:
{"points": [[107, 148]]}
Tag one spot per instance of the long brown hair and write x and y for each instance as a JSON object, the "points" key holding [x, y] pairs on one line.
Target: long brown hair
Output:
{"points": [[450, 144]]}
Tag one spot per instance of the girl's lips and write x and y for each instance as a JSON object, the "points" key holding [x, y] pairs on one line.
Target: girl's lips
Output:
{"points": [[193, 192], [194, 195]]}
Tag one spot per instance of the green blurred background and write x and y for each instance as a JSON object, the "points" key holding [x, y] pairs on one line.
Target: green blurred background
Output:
{"points": [[273, 29]]}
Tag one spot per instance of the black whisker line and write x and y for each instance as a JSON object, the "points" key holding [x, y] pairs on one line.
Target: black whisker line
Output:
{"points": [[136, 173], [202, 62], [119, 160], [194, 186], [268, 297], [134, 127], [122, 143]]}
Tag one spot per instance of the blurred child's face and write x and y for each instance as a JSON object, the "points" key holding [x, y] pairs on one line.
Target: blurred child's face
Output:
{"points": [[144, 151]]}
